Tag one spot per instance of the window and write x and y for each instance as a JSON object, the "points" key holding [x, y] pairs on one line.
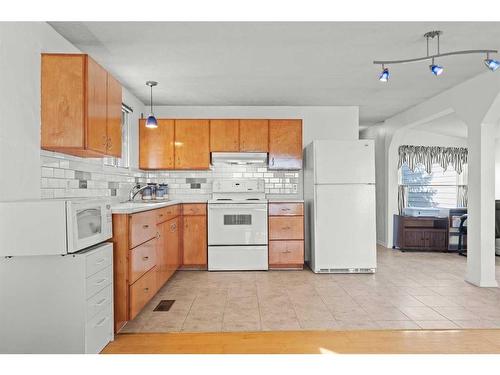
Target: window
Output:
{"points": [[124, 161], [440, 188]]}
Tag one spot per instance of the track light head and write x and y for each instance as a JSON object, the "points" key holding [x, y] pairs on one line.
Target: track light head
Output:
{"points": [[492, 64], [437, 70], [384, 76]]}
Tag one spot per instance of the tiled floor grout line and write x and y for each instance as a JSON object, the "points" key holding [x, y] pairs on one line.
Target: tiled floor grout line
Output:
{"points": [[187, 314]]}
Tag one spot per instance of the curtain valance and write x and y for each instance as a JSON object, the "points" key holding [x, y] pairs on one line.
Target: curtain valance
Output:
{"points": [[428, 155]]}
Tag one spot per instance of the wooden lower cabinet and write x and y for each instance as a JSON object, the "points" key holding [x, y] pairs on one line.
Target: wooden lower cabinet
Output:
{"points": [[141, 292], [286, 235], [168, 250], [286, 254], [146, 255], [194, 247]]}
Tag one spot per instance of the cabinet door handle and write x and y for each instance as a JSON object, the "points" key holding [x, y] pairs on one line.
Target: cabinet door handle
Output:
{"points": [[145, 226], [145, 258], [101, 322], [158, 235], [173, 227], [146, 290], [161, 215], [101, 302], [272, 161], [105, 141]]}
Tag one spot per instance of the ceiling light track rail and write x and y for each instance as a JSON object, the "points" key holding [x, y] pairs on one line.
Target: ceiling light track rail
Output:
{"points": [[434, 67], [430, 57]]}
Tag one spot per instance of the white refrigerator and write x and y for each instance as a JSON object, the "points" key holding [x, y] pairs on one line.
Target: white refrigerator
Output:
{"points": [[339, 192]]}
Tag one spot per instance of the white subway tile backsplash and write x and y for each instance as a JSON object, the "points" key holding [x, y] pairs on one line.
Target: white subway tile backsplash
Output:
{"points": [[68, 176]]}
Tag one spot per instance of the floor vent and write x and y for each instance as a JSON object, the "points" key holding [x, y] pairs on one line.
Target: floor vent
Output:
{"points": [[164, 305]]}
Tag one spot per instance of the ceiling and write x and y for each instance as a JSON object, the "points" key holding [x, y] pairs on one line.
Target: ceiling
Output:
{"points": [[289, 63]]}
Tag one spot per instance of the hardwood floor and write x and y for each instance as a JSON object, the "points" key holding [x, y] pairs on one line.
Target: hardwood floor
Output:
{"points": [[310, 342]]}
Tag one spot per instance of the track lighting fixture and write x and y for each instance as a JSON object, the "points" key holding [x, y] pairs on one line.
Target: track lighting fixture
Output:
{"points": [[491, 64], [384, 76], [151, 121], [437, 70]]}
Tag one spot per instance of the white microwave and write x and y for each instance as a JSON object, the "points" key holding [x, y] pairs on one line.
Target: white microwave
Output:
{"points": [[53, 226]]}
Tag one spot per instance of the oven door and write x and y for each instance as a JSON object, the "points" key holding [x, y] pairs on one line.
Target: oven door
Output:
{"points": [[237, 224], [89, 223]]}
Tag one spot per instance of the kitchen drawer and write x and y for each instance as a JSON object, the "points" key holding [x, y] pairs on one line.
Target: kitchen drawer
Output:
{"points": [[98, 260], [167, 213], [99, 301], [142, 291], [99, 330], [98, 281], [286, 228], [286, 253], [142, 259], [142, 227], [281, 209], [194, 209]]}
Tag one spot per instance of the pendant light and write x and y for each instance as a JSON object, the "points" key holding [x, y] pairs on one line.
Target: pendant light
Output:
{"points": [[151, 121]]}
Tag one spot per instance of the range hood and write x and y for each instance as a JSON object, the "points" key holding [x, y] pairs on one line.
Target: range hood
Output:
{"points": [[239, 158]]}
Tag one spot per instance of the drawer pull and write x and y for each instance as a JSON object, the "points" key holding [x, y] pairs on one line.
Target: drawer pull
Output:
{"points": [[173, 227], [101, 322], [146, 290], [285, 228], [158, 235], [161, 215], [100, 261], [285, 209], [101, 302], [145, 258], [286, 252], [100, 281], [145, 226]]}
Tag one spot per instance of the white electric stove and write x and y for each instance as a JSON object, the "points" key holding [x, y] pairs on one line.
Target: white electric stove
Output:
{"points": [[237, 226]]}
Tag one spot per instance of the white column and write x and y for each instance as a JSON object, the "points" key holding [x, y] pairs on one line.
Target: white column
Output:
{"points": [[481, 206]]}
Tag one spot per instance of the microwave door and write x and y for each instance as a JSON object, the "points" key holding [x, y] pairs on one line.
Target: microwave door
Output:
{"points": [[88, 225]]}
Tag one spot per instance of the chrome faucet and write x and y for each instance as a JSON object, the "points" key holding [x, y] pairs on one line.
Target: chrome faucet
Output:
{"points": [[133, 192]]}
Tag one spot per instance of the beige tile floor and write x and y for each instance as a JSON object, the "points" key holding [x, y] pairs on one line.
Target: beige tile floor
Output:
{"points": [[409, 291]]}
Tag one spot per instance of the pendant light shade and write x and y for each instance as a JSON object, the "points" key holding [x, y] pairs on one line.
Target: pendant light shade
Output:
{"points": [[151, 121]]}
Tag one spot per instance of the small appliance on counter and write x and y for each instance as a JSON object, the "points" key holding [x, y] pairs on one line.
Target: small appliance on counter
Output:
{"points": [[149, 192], [56, 276], [161, 192]]}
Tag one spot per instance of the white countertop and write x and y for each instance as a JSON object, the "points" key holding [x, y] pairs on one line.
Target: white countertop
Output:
{"points": [[139, 206], [281, 200]]}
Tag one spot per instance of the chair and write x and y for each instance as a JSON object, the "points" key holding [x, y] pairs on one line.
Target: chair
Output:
{"points": [[462, 231]]}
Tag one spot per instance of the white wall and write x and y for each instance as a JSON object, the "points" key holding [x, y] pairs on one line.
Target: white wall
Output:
{"points": [[322, 122], [20, 47]]}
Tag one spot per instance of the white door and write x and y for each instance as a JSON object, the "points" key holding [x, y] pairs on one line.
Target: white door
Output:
{"points": [[344, 162], [345, 227]]}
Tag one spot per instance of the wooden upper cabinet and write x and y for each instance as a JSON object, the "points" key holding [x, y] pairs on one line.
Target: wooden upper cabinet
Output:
{"points": [[156, 146], [96, 129], [224, 135], [76, 105], [114, 117], [285, 144], [192, 144], [254, 135]]}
